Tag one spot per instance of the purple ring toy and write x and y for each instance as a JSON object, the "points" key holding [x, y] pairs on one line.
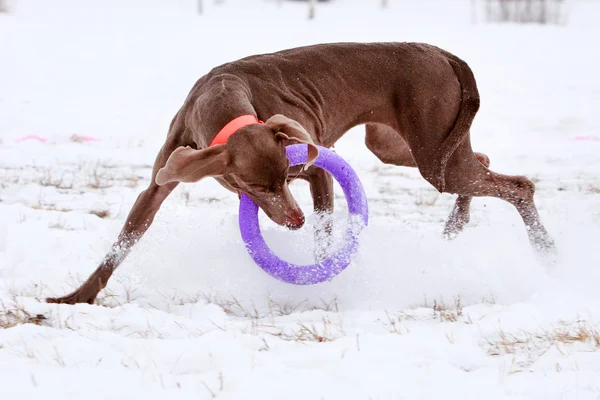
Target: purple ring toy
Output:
{"points": [[335, 263]]}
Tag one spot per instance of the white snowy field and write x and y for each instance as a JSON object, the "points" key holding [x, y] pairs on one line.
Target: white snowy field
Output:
{"points": [[189, 316]]}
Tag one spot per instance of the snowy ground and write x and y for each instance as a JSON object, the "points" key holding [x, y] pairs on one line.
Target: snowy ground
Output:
{"points": [[188, 315]]}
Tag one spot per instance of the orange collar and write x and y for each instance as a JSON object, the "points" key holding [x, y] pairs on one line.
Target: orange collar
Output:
{"points": [[233, 126]]}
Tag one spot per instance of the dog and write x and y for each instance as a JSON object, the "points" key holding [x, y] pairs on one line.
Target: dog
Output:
{"points": [[416, 100]]}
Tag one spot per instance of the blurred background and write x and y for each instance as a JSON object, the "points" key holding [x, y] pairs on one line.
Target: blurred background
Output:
{"points": [[128, 64]]}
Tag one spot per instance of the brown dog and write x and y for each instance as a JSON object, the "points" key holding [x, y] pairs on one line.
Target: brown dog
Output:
{"points": [[417, 101]]}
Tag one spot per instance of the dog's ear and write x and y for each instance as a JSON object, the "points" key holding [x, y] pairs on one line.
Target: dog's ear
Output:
{"points": [[189, 165], [289, 130]]}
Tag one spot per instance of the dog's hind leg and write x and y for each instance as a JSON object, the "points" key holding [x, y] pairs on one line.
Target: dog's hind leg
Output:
{"points": [[138, 221], [461, 212], [390, 148], [468, 177]]}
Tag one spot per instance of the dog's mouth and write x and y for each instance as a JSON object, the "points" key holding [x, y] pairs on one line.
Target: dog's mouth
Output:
{"points": [[281, 208], [293, 218], [295, 221]]}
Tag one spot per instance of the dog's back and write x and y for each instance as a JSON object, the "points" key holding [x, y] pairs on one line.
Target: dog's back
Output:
{"points": [[335, 63]]}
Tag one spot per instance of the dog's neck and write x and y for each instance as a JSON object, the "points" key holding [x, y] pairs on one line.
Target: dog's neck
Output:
{"points": [[233, 126], [223, 98], [220, 101]]}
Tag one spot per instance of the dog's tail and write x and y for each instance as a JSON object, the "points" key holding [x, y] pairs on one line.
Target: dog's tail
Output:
{"points": [[468, 108]]}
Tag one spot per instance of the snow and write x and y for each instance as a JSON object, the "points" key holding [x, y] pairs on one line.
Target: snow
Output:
{"points": [[188, 315]]}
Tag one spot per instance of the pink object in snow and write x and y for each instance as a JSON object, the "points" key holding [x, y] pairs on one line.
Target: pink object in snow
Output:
{"points": [[32, 137], [591, 137]]}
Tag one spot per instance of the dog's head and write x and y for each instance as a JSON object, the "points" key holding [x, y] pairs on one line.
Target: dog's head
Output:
{"points": [[253, 161]]}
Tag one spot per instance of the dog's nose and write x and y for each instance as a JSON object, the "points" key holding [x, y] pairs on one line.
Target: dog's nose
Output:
{"points": [[295, 220]]}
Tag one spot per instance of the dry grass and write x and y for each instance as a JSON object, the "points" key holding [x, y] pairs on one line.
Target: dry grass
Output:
{"points": [[534, 345], [593, 189], [73, 179], [132, 181], [49, 207], [108, 298], [48, 180], [395, 322], [450, 313], [42, 205], [99, 179], [302, 332], [220, 389], [582, 334], [100, 213], [60, 224], [14, 314], [185, 195], [104, 176], [280, 309], [34, 290], [263, 321], [232, 306], [211, 200]]}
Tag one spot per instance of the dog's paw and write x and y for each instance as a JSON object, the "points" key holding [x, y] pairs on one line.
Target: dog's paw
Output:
{"points": [[76, 297], [455, 224], [544, 248]]}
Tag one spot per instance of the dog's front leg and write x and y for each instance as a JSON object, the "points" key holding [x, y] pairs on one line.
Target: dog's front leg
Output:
{"points": [[138, 221], [321, 189]]}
